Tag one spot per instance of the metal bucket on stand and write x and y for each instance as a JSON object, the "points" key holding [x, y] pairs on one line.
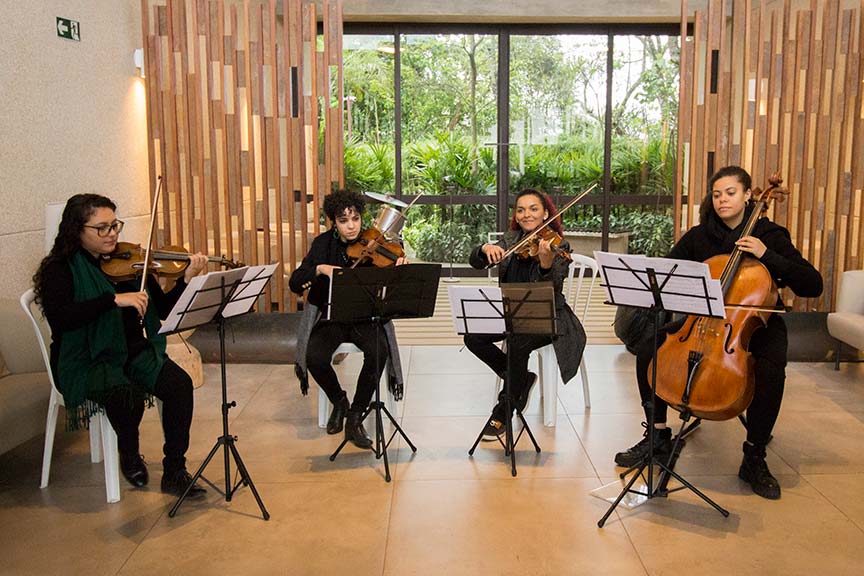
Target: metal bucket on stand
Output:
{"points": [[390, 222]]}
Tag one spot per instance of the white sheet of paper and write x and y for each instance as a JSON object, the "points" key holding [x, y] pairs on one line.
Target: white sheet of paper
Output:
{"points": [[207, 297], [250, 287], [625, 280], [480, 316]]}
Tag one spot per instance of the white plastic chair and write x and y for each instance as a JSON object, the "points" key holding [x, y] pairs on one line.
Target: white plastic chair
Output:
{"points": [[103, 439], [547, 372], [324, 404]]}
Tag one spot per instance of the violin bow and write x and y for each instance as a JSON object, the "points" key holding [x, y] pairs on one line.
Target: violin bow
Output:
{"points": [[518, 246], [150, 233]]}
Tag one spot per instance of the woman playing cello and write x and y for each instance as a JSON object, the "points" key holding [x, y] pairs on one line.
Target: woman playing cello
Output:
{"points": [[722, 217], [532, 209], [99, 354]]}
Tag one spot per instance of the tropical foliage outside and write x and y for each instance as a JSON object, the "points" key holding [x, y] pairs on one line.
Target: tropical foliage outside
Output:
{"points": [[557, 110]]}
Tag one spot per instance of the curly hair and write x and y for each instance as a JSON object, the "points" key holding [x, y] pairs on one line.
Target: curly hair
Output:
{"points": [[547, 204], [707, 206], [78, 210], [341, 201]]}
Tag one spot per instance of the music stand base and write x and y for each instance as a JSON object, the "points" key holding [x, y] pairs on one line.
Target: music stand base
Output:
{"points": [[509, 443], [227, 442], [381, 442]]}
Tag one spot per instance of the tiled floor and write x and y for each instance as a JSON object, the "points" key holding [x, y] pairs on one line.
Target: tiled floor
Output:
{"points": [[446, 513]]}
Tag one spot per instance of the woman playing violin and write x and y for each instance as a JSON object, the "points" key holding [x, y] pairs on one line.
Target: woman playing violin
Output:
{"points": [[318, 338], [722, 217], [99, 353], [532, 209]]}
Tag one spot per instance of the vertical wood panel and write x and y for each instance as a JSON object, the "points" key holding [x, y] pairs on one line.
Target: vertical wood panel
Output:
{"points": [[789, 99], [232, 126]]}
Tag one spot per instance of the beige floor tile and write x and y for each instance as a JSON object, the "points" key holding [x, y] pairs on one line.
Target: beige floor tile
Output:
{"points": [[443, 444], [452, 513], [844, 491], [606, 358], [821, 443], [819, 388], [437, 360], [802, 533], [72, 530], [450, 394], [610, 393], [315, 528], [522, 526]]}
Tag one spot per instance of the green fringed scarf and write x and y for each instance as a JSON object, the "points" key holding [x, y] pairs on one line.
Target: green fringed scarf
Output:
{"points": [[92, 363]]}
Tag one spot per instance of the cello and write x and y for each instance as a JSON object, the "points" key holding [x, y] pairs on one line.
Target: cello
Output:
{"points": [[704, 368]]}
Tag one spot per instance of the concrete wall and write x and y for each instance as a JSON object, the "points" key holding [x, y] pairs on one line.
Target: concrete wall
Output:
{"points": [[72, 120], [516, 11]]}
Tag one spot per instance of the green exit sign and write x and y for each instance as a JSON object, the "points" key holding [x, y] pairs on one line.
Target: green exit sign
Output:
{"points": [[69, 29]]}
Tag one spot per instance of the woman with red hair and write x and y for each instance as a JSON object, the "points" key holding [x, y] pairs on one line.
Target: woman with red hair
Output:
{"points": [[532, 209]]}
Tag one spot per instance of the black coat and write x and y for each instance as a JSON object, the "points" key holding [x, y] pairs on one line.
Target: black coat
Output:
{"points": [[570, 342]]}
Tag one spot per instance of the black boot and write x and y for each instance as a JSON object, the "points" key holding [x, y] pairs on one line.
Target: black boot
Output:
{"points": [[174, 482], [522, 400], [337, 416], [355, 432], [134, 470], [755, 471], [495, 426], [635, 454]]}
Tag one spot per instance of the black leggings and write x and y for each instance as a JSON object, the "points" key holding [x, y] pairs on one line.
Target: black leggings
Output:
{"points": [[768, 346], [325, 339], [483, 346], [174, 389]]}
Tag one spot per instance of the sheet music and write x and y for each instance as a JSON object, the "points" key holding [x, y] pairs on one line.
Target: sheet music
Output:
{"points": [[472, 313], [206, 291], [686, 286], [250, 287]]}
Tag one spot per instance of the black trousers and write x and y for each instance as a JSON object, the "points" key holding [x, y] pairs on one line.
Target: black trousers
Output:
{"points": [[768, 346], [325, 339], [484, 347], [174, 389]]}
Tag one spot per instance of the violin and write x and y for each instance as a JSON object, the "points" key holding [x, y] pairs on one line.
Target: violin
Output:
{"points": [[531, 249], [373, 245], [705, 368], [126, 262]]}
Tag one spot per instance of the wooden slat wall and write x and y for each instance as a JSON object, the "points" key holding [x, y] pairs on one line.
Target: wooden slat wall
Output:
{"points": [[777, 86], [232, 127]]}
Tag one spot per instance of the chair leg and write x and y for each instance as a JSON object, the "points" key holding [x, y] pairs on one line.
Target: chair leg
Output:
{"points": [[585, 391], [549, 386], [112, 464], [96, 453], [50, 427], [323, 407], [838, 349]]}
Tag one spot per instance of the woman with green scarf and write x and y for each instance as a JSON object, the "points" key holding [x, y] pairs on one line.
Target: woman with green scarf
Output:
{"points": [[100, 356]]}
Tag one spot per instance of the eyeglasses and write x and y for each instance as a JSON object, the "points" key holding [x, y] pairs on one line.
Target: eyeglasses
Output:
{"points": [[104, 229]]}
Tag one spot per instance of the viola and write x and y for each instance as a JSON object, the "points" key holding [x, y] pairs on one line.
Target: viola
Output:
{"points": [[531, 249], [126, 262], [704, 368], [373, 245]]}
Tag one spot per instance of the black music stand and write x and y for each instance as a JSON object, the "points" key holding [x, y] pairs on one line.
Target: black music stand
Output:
{"points": [[663, 285], [213, 298], [379, 295], [525, 308]]}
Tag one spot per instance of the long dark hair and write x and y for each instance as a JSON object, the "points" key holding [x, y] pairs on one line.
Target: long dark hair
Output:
{"points": [[547, 204], [706, 209], [78, 210]]}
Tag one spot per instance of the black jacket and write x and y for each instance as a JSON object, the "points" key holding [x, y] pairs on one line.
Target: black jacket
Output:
{"points": [[782, 259]]}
